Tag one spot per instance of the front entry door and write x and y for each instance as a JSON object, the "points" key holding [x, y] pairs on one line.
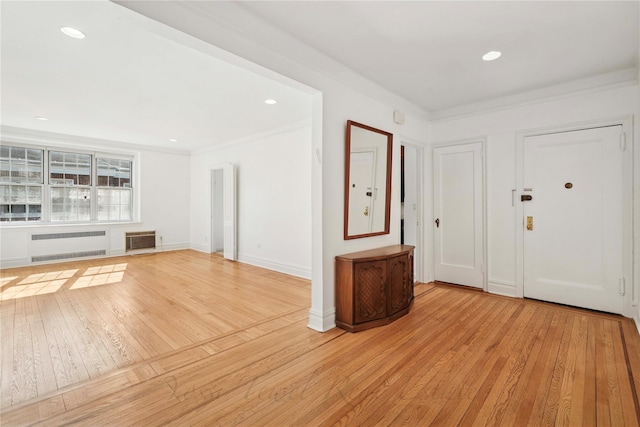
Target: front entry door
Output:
{"points": [[458, 214], [573, 224]]}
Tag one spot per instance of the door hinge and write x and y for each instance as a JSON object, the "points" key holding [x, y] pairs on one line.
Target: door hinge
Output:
{"points": [[623, 141], [621, 285]]}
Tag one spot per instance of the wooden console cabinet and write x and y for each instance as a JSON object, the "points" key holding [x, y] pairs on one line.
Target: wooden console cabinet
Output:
{"points": [[374, 287]]}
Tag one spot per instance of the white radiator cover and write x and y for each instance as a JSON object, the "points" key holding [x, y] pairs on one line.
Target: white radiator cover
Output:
{"points": [[58, 246]]}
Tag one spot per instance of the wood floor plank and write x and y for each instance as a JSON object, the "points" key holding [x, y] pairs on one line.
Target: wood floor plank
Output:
{"points": [[603, 417], [81, 305], [632, 346], [571, 388], [186, 338], [517, 378], [7, 321], [43, 361], [432, 386], [589, 391], [94, 355], [265, 389], [531, 409], [553, 386], [626, 395], [616, 410], [532, 390], [435, 332], [499, 371], [24, 384]]}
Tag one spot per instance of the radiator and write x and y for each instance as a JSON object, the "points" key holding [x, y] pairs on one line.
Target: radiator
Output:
{"points": [[140, 240], [70, 255], [67, 245]]}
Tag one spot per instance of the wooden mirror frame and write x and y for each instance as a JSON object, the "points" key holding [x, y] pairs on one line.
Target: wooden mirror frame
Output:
{"points": [[387, 179]]}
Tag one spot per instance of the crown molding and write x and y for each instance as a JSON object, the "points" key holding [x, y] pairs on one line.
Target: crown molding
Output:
{"points": [[607, 81], [32, 136]]}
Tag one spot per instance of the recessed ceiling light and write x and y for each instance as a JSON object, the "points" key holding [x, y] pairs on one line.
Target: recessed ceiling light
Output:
{"points": [[490, 56], [72, 32], [173, 140], [270, 101], [41, 118]]}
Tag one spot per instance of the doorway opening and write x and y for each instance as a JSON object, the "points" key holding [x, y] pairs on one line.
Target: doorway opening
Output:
{"points": [[217, 211], [223, 211], [411, 203]]}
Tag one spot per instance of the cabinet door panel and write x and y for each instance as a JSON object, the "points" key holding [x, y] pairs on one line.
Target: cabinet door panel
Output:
{"points": [[370, 298], [400, 284]]}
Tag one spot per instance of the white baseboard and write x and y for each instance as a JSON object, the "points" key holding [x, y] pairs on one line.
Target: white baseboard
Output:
{"points": [[293, 270], [173, 247], [200, 248], [502, 288], [25, 262], [13, 263], [163, 248], [322, 322]]}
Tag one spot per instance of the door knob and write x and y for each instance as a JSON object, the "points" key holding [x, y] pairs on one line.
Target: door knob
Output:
{"points": [[437, 222]]}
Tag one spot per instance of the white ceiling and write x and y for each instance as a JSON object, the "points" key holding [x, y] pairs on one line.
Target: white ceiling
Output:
{"points": [[128, 83], [429, 52]]}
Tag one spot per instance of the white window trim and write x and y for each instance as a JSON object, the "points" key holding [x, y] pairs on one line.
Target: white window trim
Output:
{"points": [[46, 193]]}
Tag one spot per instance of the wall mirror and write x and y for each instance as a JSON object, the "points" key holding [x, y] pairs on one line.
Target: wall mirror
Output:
{"points": [[367, 193]]}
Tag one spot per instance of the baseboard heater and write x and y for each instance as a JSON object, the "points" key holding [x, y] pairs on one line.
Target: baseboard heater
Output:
{"points": [[73, 235], [55, 257], [85, 243], [140, 240]]}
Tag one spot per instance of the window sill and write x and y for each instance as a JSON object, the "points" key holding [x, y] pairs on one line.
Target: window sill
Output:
{"points": [[12, 226]]}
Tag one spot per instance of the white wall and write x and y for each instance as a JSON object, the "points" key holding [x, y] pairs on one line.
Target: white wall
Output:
{"points": [[165, 198], [337, 96], [162, 181], [273, 175], [500, 128]]}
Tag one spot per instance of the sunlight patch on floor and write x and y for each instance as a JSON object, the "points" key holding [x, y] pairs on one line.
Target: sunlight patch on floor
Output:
{"points": [[38, 288], [48, 277], [98, 279], [50, 282], [7, 280]]}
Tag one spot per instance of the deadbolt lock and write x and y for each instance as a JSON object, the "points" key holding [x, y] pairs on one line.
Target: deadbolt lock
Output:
{"points": [[529, 223]]}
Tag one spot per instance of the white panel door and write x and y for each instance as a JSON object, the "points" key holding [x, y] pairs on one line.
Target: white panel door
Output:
{"points": [[573, 250], [229, 208], [458, 213], [362, 191]]}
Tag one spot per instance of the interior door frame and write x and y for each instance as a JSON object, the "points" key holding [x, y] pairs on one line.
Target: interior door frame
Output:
{"points": [[421, 249], [228, 211], [485, 249], [629, 216]]}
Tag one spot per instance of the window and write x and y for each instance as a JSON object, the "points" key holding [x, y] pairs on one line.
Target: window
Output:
{"points": [[21, 183], [70, 180], [81, 187], [114, 189]]}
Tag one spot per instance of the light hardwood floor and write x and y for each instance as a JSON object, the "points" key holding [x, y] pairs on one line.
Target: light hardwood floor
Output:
{"points": [[186, 338]]}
